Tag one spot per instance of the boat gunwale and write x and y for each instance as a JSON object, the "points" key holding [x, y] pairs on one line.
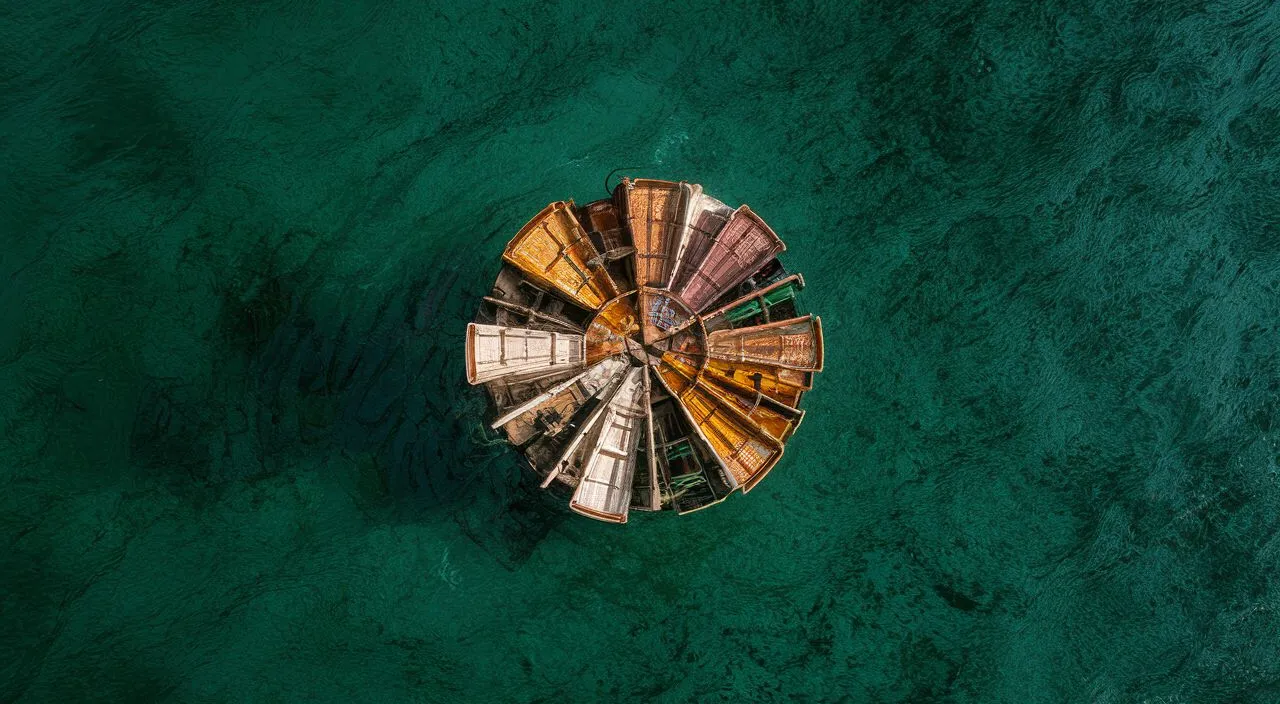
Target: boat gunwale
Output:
{"points": [[747, 298]]}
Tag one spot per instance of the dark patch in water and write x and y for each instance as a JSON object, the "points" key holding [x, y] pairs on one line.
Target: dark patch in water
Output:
{"points": [[955, 599]]}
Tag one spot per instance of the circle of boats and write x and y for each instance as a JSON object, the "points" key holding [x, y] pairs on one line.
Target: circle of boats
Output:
{"points": [[645, 351]]}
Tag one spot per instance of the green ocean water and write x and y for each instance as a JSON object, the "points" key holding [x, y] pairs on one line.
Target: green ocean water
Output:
{"points": [[239, 244]]}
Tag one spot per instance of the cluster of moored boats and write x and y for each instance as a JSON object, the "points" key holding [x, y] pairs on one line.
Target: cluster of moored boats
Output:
{"points": [[645, 351]]}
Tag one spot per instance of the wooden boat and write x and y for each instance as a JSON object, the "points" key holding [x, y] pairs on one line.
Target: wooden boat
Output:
{"points": [[690, 478], [612, 328], [786, 386], [568, 466], [704, 218], [553, 250], [776, 419], [494, 351], [744, 244], [603, 224], [551, 411], [654, 212], [646, 492], [645, 352], [746, 450], [790, 344], [766, 276], [510, 392], [610, 461], [515, 302], [543, 452]]}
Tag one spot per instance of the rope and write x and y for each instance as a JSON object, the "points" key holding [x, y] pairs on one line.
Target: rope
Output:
{"points": [[611, 173]]}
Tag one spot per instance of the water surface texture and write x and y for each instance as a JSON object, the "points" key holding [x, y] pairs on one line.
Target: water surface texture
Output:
{"points": [[239, 244]]}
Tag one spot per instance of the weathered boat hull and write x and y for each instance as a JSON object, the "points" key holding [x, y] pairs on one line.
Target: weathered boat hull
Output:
{"points": [[612, 328], [494, 351], [776, 419], [744, 244], [704, 219], [604, 492], [746, 451], [690, 478], [554, 251], [551, 411], [783, 385], [515, 302], [654, 211], [791, 344]]}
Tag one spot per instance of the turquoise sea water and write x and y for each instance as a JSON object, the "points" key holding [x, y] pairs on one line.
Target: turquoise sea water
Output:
{"points": [[239, 243]]}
